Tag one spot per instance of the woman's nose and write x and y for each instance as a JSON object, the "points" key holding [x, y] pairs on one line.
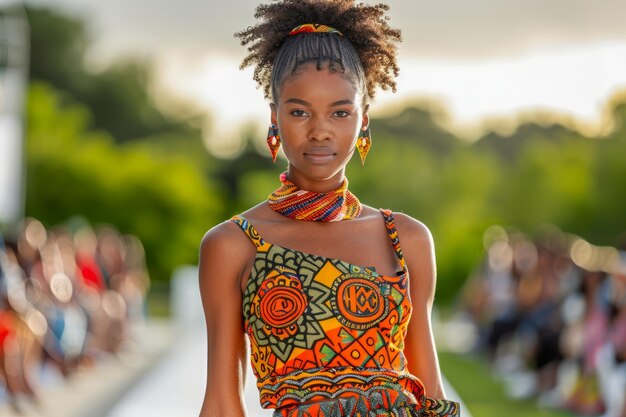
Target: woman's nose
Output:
{"points": [[320, 130]]}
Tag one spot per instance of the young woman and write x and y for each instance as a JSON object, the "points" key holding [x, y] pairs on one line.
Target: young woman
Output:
{"points": [[336, 308]]}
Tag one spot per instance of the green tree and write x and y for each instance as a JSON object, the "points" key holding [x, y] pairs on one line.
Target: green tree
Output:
{"points": [[74, 171], [118, 96], [58, 44]]}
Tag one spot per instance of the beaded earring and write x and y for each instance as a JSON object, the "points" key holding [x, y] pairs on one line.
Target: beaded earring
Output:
{"points": [[273, 141], [364, 143]]}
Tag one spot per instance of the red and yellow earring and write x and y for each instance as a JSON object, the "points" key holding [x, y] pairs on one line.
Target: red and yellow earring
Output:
{"points": [[273, 141], [364, 143]]}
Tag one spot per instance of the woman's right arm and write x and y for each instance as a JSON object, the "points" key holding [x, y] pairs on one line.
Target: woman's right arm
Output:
{"points": [[220, 269]]}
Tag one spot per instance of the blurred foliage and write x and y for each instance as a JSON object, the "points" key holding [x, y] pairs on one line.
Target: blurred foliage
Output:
{"points": [[57, 47], [163, 199], [117, 96], [165, 188]]}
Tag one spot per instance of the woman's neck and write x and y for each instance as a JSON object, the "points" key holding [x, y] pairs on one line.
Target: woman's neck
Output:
{"points": [[315, 185]]}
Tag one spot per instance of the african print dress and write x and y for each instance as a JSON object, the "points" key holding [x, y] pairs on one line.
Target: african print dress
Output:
{"points": [[327, 336]]}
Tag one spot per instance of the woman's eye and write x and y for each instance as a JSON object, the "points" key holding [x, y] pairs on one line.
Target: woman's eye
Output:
{"points": [[342, 113], [298, 113]]}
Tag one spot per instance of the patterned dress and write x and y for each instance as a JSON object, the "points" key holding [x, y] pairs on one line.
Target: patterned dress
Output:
{"points": [[327, 337]]}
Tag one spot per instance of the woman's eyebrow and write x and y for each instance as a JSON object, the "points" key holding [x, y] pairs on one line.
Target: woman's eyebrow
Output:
{"points": [[298, 101], [306, 103], [342, 102]]}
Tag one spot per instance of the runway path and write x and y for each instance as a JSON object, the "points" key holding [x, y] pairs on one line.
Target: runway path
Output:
{"points": [[175, 387]]}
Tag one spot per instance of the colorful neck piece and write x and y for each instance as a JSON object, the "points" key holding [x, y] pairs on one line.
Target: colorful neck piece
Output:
{"points": [[292, 202], [313, 28]]}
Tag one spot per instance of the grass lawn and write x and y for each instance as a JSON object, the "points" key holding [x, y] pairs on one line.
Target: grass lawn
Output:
{"points": [[482, 394]]}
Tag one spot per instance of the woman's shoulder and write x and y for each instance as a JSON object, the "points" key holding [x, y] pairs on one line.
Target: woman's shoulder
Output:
{"points": [[231, 233], [418, 250], [404, 223], [410, 230], [222, 239], [227, 239]]}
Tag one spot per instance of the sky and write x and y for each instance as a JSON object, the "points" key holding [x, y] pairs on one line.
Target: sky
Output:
{"points": [[476, 62]]}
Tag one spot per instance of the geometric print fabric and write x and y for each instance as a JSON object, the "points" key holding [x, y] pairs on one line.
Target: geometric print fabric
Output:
{"points": [[331, 334]]}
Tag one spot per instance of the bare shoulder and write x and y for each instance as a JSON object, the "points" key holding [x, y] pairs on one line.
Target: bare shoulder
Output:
{"points": [[225, 246], [418, 249], [225, 237], [412, 231]]}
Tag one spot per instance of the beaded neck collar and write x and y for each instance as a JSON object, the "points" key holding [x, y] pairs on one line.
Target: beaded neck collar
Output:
{"points": [[336, 205]]}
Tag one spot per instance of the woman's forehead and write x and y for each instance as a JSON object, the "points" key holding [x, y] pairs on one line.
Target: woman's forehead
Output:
{"points": [[318, 84]]}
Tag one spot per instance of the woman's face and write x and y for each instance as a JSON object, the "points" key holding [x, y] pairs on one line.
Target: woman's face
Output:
{"points": [[319, 116]]}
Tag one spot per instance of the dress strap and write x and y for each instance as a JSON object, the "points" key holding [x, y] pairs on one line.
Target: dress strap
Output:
{"points": [[393, 235], [249, 230]]}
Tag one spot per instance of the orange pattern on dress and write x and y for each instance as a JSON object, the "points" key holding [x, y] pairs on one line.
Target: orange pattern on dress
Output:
{"points": [[322, 329]]}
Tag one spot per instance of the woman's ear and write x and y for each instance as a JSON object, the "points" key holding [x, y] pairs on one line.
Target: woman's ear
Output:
{"points": [[366, 117], [273, 115]]}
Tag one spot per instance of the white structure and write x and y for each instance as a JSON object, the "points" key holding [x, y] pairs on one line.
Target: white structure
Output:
{"points": [[14, 53]]}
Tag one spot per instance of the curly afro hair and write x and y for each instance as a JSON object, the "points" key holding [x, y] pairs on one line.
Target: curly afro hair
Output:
{"points": [[366, 52]]}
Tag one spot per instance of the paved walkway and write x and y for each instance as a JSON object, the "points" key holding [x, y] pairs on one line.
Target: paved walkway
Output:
{"points": [[175, 387], [90, 393]]}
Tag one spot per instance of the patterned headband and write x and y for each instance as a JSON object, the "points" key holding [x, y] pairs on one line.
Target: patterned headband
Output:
{"points": [[312, 28]]}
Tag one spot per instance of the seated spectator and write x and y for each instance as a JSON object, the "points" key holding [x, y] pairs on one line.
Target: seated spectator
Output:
{"points": [[67, 298]]}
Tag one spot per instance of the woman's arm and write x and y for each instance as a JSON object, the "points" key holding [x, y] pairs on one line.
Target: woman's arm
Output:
{"points": [[220, 269], [419, 346]]}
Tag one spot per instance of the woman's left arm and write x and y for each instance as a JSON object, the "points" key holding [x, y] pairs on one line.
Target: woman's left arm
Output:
{"points": [[419, 344]]}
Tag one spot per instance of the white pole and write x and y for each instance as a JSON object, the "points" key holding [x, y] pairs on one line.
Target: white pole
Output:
{"points": [[14, 54]]}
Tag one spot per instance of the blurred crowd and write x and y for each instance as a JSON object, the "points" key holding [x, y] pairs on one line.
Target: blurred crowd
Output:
{"points": [[69, 296], [550, 314]]}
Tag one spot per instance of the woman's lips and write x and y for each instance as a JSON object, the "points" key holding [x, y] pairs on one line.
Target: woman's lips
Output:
{"points": [[319, 157]]}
